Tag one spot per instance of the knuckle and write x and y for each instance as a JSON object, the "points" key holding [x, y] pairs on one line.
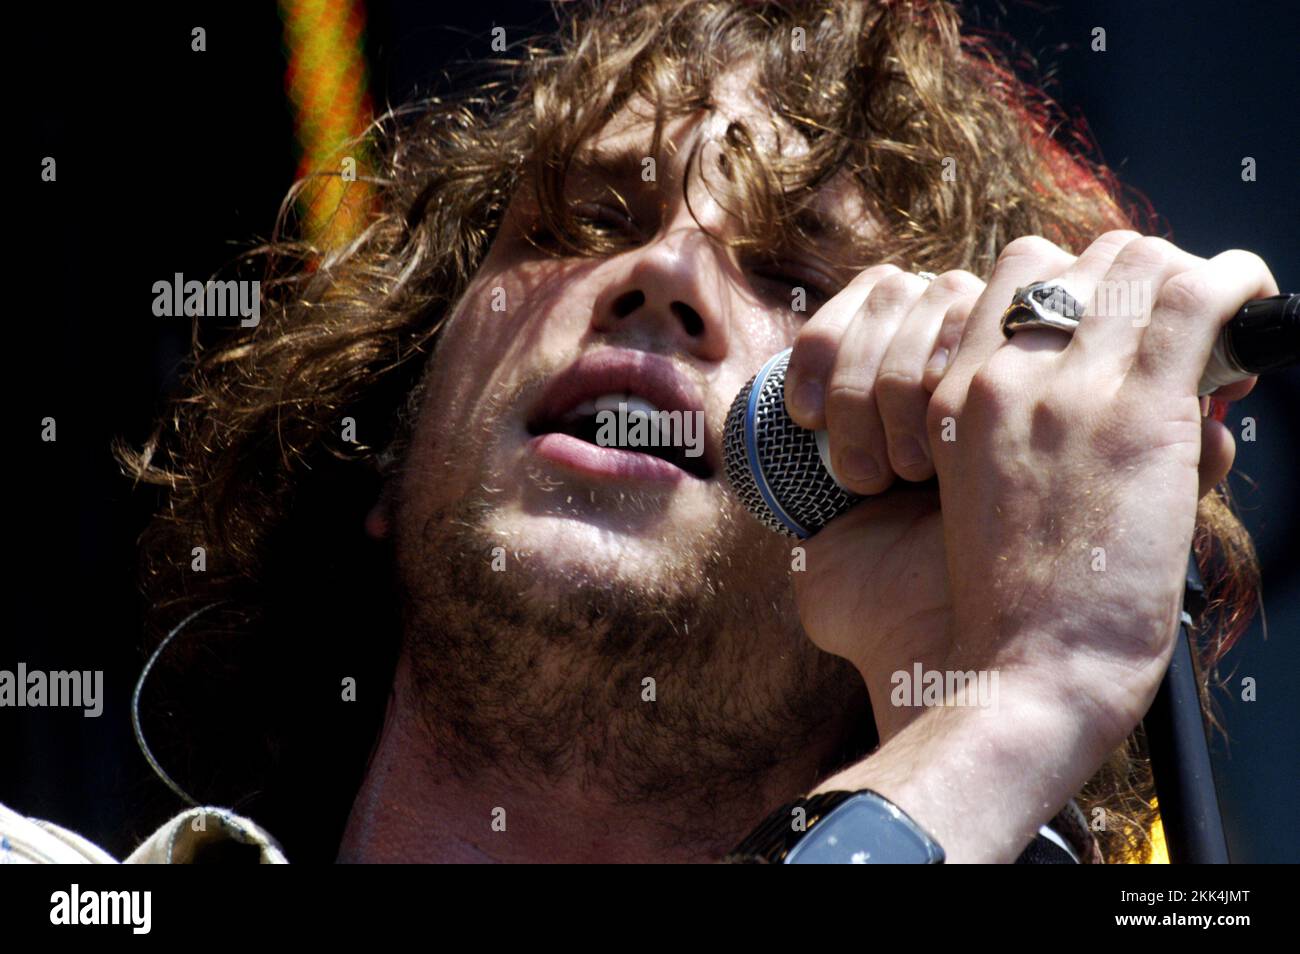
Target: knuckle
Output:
{"points": [[958, 283], [1146, 254], [992, 386], [944, 404], [815, 341], [894, 291], [954, 323], [1052, 416], [1028, 248], [895, 387], [847, 396], [1117, 238], [1247, 263], [875, 273], [985, 386], [1184, 295]]}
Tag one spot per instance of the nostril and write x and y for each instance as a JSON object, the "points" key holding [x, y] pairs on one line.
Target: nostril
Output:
{"points": [[689, 317], [627, 303]]}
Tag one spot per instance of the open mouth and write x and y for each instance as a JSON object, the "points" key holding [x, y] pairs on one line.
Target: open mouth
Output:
{"points": [[628, 408], [631, 423]]}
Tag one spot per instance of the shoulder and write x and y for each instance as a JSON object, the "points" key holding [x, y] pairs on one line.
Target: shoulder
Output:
{"points": [[204, 835]]}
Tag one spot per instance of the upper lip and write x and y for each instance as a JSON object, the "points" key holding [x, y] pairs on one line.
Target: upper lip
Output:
{"points": [[617, 370]]}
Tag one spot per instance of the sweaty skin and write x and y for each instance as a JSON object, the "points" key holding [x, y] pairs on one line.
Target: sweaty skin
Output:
{"points": [[522, 726]]}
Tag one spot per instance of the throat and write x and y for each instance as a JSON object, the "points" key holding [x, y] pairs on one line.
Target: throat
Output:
{"points": [[418, 804], [611, 792]]}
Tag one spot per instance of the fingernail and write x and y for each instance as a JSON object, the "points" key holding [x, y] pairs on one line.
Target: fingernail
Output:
{"points": [[908, 452], [938, 361], [857, 464], [808, 398]]}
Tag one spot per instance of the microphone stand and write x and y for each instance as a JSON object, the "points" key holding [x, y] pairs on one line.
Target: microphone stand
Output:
{"points": [[1264, 335], [1180, 754]]}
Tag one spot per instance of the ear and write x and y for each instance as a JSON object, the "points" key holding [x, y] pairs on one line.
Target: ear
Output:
{"points": [[377, 521]]}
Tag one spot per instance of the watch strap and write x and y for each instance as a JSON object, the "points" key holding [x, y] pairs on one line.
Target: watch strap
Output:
{"points": [[773, 841], [769, 843]]}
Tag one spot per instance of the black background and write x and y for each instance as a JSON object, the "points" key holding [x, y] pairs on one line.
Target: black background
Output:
{"points": [[170, 160]]}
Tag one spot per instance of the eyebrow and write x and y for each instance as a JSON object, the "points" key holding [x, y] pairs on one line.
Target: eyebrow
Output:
{"points": [[620, 166]]}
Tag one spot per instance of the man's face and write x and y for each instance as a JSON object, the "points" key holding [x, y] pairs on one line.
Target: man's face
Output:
{"points": [[545, 578], [678, 320]]}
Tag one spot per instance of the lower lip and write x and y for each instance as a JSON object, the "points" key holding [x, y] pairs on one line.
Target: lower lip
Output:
{"points": [[610, 462]]}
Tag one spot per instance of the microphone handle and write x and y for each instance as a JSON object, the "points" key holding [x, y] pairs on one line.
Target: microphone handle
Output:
{"points": [[1263, 336]]}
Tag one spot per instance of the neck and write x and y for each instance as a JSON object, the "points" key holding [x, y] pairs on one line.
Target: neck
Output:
{"points": [[417, 805]]}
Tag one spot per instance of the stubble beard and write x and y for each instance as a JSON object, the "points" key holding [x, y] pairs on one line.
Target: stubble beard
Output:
{"points": [[541, 676]]}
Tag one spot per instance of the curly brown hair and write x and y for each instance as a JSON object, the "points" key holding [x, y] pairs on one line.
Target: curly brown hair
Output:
{"points": [[249, 458]]}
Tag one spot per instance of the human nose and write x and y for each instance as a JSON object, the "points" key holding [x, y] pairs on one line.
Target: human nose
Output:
{"points": [[672, 290]]}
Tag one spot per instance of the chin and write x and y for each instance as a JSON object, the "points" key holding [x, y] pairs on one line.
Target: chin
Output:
{"points": [[564, 532], [581, 543]]}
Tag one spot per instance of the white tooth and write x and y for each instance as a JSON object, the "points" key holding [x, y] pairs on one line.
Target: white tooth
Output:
{"points": [[585, 409], [610, 402], [639, 405]]}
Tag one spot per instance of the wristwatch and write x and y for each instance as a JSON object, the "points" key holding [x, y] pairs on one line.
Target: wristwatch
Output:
{"points": [[839, 828]]}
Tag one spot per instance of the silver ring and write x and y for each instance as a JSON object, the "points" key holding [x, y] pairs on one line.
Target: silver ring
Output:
{"points": [[928, 276], [1042, 305]]}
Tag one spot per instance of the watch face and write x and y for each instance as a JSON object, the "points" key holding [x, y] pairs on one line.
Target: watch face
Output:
{"points": [[865, 830]]}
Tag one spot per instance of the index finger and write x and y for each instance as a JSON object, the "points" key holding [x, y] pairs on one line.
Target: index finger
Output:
{"points": [[817, 344]]}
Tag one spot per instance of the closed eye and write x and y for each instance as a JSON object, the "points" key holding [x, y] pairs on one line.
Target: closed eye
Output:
{"points": [[604, 218], [781, 281], [608, 221]]}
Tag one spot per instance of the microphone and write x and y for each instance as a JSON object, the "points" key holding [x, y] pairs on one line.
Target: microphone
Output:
{"points": [[781, 472]]}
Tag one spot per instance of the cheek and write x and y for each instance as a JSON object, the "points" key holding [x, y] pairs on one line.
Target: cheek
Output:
{"points": [[770, 323], [504, 324], [479, 332], [761, 331], [509, 312]]}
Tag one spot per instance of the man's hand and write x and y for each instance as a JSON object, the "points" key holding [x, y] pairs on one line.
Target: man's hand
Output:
{"points": [[1069, 470], [863, 368]]}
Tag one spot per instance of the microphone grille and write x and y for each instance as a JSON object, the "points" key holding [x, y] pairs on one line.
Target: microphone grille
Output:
{"points": [[772, 463]]}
